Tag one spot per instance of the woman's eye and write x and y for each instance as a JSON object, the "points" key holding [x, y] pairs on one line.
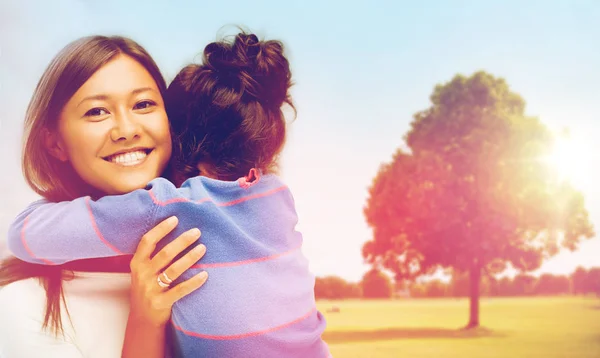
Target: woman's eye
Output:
{"points": [[144, 105], [95, 112]]}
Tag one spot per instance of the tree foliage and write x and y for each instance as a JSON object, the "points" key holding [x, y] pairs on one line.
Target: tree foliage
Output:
{"points": [[474, 191], [333, 288], [375, 284]]}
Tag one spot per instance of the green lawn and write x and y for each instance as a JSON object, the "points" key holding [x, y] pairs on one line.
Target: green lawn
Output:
{"points": [[565, 327]]}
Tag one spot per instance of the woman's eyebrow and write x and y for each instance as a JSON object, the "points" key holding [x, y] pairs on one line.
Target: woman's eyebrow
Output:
{"points": [[99, 97], [142, 89], [103, 97]]}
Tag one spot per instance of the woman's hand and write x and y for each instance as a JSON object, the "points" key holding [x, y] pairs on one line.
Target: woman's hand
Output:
{"points": [[150, 302]]}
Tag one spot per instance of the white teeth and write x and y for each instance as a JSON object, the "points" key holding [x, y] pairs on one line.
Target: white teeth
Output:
{"points": [[131, 158]]}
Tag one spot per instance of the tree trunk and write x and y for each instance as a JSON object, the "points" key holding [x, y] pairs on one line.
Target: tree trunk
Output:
{"points": [[475, 281]]}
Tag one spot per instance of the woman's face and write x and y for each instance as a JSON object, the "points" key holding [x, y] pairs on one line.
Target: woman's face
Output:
{"points": [[114, 130]]}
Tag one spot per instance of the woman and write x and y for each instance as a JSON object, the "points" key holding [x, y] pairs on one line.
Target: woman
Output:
{"points": [[67, 155], [227, 119]]}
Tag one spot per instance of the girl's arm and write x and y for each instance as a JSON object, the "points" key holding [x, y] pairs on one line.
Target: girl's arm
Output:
{"points": [[54, 233]]}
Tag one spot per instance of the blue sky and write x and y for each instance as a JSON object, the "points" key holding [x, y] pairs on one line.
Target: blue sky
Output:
{"points": [[361, 71]]}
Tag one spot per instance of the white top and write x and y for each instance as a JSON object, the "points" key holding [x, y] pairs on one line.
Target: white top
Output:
{"points": [[98, 304]]}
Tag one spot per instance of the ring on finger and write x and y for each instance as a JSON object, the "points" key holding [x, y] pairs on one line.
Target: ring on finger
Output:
{"points": [[161, 283], [166, 278]]}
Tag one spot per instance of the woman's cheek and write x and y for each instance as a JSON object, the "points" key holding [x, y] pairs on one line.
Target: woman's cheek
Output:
{"points": [[83, 139], [159, 127]]}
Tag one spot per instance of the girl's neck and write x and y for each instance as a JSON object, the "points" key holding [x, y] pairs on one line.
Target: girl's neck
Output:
{"points": [[206, 170]]}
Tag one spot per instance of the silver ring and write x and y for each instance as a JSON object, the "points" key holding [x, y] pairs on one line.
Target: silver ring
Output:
{"points": [[166, 278], [161, 283]]}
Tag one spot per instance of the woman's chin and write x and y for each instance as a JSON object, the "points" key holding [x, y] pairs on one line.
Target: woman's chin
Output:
{"points": [[128, 184]]}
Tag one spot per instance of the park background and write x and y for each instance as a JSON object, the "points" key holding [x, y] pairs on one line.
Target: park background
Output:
{"points": [[362, 71]]}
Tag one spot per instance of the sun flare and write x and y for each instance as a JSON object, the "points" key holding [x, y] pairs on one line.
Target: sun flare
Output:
{"points": [[569, 158]]}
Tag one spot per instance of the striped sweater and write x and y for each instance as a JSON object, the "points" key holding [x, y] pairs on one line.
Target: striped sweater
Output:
{"points": [[259, 298]]}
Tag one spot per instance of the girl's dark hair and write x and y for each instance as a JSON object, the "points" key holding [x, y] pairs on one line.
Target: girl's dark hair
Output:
{"points": [[46, 175], [227, 111]]}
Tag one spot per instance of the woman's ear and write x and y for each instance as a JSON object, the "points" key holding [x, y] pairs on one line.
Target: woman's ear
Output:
{"points": [[55, 146]]}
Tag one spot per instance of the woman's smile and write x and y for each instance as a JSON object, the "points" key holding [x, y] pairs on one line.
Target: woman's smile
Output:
{"points": [[129, 158]]}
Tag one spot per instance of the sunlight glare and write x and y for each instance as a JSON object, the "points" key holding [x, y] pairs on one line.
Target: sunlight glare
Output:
{"points": [[568, 158]]}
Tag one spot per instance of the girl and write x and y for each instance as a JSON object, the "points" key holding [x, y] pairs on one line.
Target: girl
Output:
{"points": [[228, 128], [111, 312]]}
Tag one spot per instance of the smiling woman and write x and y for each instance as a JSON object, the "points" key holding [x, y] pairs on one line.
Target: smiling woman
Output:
{"points": [[95, 125], [114, 133]]}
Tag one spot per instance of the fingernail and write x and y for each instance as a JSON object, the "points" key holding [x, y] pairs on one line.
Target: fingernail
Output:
{"points": [[172, 220], [194, 232], [200, 248], [203, 274]]}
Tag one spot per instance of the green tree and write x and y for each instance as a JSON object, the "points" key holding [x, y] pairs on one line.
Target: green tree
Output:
{"points": [[375, 284], [523, 285], [334, 287], [354, 290], [417, 290], [436, 288], [548, 284], [504, 287], [473, 192], [459, 284], [579, 281], [593, 281]]}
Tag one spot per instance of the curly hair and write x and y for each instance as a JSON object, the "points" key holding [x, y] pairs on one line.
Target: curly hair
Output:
{"points": [[227, 112]]}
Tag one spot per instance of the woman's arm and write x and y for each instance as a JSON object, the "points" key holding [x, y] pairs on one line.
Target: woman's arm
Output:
{"points": [[142, 340], [150, 303]]}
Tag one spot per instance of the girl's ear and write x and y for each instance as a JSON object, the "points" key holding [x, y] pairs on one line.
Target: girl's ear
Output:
{"points": [[55, 146]]}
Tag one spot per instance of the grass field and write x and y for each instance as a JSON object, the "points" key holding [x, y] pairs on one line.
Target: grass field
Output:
{"points": [[565, 327]]}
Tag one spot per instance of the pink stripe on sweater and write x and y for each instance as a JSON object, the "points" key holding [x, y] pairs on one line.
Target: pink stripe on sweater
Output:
{"points": [[95, 226], [27, 248], [243, 335], [245, 262], [167, 202], [255, 196], [204, 200]]}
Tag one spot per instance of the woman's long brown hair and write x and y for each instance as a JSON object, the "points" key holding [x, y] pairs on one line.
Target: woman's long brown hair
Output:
{"points": [[47, 176]]}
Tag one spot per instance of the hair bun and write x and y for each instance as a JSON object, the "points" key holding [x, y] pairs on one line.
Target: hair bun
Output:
{"points": [[258, 70]]}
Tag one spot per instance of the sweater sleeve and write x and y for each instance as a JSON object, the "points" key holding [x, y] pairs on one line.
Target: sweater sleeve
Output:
{"points": [[53, 233]]}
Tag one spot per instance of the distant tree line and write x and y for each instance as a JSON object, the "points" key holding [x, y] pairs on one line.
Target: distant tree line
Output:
{"points": [[376, 284]]}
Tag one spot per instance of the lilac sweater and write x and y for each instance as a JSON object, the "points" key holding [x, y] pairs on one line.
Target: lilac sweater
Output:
{"points": [[259, 298]]}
